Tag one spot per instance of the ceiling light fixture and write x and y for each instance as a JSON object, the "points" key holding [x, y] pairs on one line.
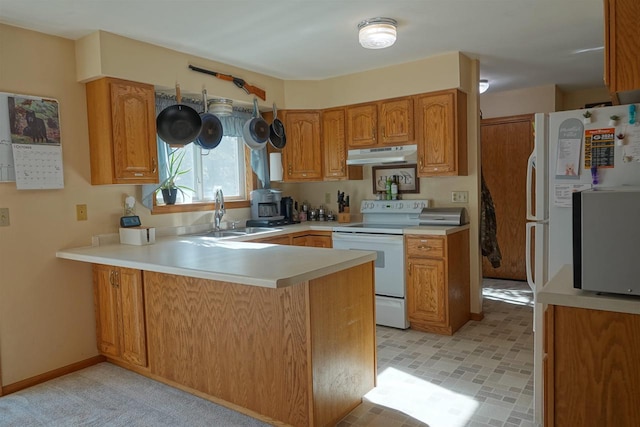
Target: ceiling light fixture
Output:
{"points": [[484, 85], [377, 33]]}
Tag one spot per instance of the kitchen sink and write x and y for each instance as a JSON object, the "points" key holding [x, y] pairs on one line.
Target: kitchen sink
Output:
{"points": [[237, 232]]}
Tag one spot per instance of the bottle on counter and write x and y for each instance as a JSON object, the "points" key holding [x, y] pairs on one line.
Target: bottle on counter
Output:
{"points": [[388, 188], [394, 188]]}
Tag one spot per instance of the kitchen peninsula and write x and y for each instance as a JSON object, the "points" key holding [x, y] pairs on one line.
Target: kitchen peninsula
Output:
{"points": [[284, 334]]}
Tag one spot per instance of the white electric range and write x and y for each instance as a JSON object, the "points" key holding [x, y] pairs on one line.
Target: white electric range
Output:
{"points": [[383, 222]]}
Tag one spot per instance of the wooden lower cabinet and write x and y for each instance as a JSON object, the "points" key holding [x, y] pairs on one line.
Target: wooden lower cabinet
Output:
{"points": [[591, 368], [276, 240], [302, 355], [119, 306], [438, 280], [316, 239]]}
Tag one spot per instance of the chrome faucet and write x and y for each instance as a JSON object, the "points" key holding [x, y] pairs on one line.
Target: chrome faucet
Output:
{"points": [[219, 209]]}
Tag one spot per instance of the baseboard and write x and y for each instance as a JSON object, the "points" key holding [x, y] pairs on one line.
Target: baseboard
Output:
{"points": [[477, 316], [39, 379]]}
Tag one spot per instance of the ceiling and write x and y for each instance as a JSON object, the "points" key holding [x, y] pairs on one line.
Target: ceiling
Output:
{"points": [[520, 43]]}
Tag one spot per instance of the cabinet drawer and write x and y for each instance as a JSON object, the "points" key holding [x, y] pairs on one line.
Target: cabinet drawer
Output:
{"points": [[432, 247]]}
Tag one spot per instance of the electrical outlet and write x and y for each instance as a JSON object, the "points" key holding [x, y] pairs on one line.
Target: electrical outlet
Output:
{"points": [[460, 196], [81, 212], [327, 198], [4, 217]]}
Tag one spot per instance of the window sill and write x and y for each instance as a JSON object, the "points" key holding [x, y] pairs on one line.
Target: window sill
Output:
{"points": [[195, 207]]}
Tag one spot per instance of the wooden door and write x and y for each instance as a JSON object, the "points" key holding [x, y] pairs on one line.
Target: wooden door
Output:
{"points": [[134, 348], [361, 125], [302, 156], [334, 144], [506, 144], [395, 124], [106, 307], [426, 295]]}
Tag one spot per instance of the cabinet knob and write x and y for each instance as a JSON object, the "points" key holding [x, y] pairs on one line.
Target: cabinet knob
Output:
{"points": [[154, 162], [427, 247]]}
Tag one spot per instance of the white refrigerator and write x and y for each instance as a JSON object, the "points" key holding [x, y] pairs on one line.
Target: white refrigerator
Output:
{"points": [[556, 168]]}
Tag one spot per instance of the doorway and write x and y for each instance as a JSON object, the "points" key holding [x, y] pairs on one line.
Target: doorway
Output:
{"points": [[506, 143]]}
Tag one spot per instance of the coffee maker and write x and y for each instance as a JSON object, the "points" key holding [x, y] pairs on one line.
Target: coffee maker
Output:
{"points": [[286, 208], [265, 204]]}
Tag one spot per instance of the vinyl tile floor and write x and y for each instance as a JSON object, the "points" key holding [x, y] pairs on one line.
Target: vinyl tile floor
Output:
{"points": [[480, 376]]}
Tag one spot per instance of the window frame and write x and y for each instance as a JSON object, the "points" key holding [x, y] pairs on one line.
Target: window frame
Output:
{"points": [[250, 185]]}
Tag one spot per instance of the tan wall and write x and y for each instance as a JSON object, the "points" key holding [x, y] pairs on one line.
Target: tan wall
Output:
{"points": [[578, 99], [541, 99]]}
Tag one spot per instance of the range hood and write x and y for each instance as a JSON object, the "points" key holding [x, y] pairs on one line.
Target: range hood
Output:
{"points": [[369, 156]]}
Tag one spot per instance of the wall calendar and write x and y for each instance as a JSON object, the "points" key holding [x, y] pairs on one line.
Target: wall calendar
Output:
{"points": [[30, 148]]}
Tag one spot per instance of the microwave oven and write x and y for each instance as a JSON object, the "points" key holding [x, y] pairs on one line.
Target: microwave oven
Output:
{"points": [[606, 240]]}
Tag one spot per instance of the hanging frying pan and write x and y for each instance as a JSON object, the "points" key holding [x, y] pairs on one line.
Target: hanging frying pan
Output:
{"points": [[178, 124], [256, 130], [211, 132], [277, 136]]}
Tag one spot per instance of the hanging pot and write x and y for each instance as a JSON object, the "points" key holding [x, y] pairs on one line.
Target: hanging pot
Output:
{"points": [[178, 124], [277, 136], [211, 131], [255, 130]]}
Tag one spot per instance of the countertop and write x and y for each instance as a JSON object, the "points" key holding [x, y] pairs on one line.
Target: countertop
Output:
{"points": [[257, 264], [233, 259], [560, 291]]}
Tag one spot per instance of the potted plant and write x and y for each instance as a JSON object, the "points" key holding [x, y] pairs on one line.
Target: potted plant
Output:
{"points": [[168, 187], [587, 117], [613, 120]]}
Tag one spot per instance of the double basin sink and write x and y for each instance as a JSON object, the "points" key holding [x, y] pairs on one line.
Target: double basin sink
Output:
{"points": [[238, 232]]}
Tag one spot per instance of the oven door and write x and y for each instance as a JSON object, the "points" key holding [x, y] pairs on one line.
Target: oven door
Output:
{"points": [[389, 264]]}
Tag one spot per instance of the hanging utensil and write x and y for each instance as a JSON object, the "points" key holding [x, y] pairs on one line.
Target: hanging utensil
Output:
{"points": [[211, 132], [178, 124], [277, 136], [256, 130]]}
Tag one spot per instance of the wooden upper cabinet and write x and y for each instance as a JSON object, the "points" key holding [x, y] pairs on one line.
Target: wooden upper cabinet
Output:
{"points": [[362, 122], [302, 156], [441, 133], [122, 132], [622, 44], [334, 146], [395, 121], [387, 122]]}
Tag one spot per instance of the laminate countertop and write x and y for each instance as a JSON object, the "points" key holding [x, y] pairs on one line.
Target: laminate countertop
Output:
{"points": [[256, 264], [560, 291]]}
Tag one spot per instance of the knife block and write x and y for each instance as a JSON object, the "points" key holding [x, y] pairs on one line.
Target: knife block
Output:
{"points": [[344, 216]]}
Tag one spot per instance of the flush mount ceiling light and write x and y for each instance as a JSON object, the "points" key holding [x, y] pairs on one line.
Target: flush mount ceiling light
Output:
{"points": [[484, 85], [377, 33]]}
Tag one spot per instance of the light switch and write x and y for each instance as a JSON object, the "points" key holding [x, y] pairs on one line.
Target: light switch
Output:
{"points": [[4, 217]]}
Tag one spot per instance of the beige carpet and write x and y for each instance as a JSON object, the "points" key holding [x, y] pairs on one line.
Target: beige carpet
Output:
{"points": [[106, 395]]}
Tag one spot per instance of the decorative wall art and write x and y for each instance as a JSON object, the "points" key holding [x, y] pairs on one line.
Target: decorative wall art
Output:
{"points": [[407, 177]]}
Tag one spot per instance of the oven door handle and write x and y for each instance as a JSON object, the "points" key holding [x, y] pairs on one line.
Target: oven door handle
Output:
{"points": [[369, 238]]}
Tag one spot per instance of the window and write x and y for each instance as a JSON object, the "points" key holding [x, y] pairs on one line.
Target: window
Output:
{"points": [[207, 169]]}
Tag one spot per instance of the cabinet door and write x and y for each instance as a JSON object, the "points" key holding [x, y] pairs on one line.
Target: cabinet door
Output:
{"points": [[299, 240], [334, 144], [302, 156], [426, 296], [319, 241], [441, 133], [622, 67], [134, 131], [122, 132], [361, 125], [395, 124], [134, 348], [106, 307]]}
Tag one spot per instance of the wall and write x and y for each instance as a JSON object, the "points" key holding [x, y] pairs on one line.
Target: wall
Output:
{"points": [[541, 99]]}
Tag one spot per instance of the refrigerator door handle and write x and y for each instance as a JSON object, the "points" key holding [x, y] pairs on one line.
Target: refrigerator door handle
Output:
{"points": [[528, 263], [530, 166]]}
